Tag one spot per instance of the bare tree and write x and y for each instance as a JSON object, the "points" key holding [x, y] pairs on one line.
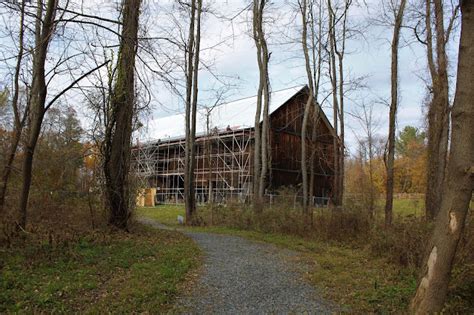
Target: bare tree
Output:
{"points": [[44, 28], [309, 102], [337, 34], [313, 72], [261, 147], [458, 188], [398, 11], [18, 117], [317, 61], [438, 111], [192, 70], [117, 142]]}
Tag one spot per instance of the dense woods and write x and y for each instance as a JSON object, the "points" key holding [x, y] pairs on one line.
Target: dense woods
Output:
{"points": [[80, 82]]}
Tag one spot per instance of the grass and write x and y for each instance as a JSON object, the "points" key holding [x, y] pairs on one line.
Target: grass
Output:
{"points": [[133, 272], [166, 214], [349, 276], [407, 207]]}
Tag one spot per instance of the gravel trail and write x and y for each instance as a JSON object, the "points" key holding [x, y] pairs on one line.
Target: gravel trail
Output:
{"points": [[240, 276]]}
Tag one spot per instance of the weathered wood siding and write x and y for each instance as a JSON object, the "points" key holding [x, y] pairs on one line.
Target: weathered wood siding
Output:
{"points": [[285, 140]]}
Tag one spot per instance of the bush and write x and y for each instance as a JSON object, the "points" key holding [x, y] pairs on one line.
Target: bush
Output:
{"points": [[404, 243]]}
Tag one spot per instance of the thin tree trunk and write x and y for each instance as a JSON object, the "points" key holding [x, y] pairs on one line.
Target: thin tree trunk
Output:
{"points": [[341, 146], [18, 121], [333, 77], [317, 77], [192, 55], [371, 177], [192, 200], [458, 188], [265, 142], [44, 28], [189, 87], [438, 112], [307, 108], [304, 155], [390, 160], [340, 56], [257, 154], [118, 139]]}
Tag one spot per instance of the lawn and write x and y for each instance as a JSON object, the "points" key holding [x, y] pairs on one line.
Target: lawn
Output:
{"points": [[135, 272]]}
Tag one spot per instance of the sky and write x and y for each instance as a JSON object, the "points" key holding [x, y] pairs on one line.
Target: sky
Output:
{"points": [[230, 51], [368, 56]]}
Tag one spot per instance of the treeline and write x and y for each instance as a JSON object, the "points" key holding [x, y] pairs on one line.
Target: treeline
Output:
{"points": [[366, 175]]}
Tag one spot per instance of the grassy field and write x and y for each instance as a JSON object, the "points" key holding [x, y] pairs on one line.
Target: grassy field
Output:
{"points": [[133, 272], [351, 277]]}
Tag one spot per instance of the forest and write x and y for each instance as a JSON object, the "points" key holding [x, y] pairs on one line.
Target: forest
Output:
{"points": [[81, 80]]}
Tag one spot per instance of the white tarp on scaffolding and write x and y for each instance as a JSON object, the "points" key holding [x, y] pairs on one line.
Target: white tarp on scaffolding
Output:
{"points": [[238, 114]]}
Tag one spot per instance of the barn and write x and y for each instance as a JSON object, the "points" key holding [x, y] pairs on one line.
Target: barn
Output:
{"points": [[224, 148]]}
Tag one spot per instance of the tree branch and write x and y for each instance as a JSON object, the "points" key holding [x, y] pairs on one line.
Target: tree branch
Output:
{"points": [[70, 86]]}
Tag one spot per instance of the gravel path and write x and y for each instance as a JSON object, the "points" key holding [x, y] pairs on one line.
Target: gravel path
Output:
{"points": [[245, 277]]}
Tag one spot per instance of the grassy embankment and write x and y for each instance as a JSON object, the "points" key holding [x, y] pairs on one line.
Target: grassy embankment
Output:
{"points": [[350, 274], [102, 272]]}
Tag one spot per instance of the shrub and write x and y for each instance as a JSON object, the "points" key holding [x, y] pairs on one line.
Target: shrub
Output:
{"points": [[403, 243]]}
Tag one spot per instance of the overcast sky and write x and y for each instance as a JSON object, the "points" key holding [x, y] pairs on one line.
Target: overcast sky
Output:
{"points": [[368, 56], [234, 59]]}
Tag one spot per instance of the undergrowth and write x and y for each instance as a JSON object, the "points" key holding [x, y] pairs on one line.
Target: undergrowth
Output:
{"points": [[64, 265]]}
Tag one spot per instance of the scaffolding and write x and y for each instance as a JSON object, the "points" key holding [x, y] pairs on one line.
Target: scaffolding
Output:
{"points": [[223, 166]]}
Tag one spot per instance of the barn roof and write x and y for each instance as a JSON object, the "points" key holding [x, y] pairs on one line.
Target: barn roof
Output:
{"points": [[239, 114]]}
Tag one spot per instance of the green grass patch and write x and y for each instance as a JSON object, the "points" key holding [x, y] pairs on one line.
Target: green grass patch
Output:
{"points": [[166, 214], [408, 207], [119, 273]]}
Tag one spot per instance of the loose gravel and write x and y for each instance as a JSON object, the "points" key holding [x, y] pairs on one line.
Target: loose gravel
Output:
{"points": [[240, 276]]}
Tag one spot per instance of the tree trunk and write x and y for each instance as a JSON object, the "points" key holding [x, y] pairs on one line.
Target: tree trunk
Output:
{"points": [[333, 76], [191, 210], [18, 121], [317, 61], [189, 55], [371, 176], [44, 28], [340, 56], [390, 160], [438, 112], [261, 139], [458, 188], [118, 135], [341, 147], [264, 79], [307, 108], [191, 107]]}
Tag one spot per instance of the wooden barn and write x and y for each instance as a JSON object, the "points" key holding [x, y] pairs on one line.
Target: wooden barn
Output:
{"points": [[224, 148]]}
